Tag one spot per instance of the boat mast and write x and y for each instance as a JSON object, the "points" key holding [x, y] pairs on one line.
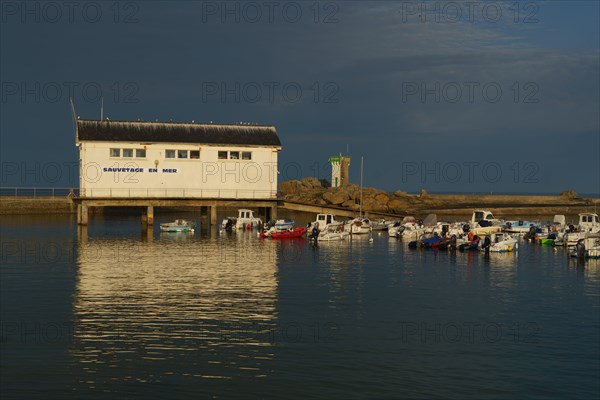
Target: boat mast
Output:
{"points": [[361, 184]]}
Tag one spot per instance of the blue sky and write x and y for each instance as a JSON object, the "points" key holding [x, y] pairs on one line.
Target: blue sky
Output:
{"points": [[484, 102]]}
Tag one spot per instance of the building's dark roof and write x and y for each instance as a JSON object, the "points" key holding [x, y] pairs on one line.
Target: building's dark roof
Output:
{"points": [[155, 132]]}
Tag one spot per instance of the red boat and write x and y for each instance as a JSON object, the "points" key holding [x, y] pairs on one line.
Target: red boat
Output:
{"points": [[295, 233]]}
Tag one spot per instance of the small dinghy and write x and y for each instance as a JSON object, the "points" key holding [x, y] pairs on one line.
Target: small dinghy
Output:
{"points": [[294, 233]]}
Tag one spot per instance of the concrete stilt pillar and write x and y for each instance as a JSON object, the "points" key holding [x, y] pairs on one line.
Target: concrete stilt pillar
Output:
{"points": [[213, 218], [150, 215], [82, 214], [274, 212]]}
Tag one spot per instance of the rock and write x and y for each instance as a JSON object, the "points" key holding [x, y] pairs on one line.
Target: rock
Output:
{"points": [[348, 203], [423, 193], [290, 187], [570, 194], [312, 182], [382, 198], [321, 202], [400, 193], [336, 197], [397, 206]]}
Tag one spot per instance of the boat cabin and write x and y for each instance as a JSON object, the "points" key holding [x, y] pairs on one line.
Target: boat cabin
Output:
{"points": [[246, 219], [323, 220], [589, 222], [481, 215]]}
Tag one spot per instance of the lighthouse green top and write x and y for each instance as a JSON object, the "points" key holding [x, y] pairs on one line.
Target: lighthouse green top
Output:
{"points": [[335, 159]]}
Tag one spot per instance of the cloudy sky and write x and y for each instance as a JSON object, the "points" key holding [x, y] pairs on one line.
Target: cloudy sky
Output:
{"points": [[447, 96]]}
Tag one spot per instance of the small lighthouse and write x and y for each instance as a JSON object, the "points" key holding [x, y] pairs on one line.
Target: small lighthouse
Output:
{"points": [[340, 166]]}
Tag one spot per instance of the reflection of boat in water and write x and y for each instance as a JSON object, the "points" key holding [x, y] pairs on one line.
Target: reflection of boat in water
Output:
{"points": [[179, 225]]}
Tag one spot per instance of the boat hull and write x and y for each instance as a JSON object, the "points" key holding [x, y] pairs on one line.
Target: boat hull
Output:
{"points": [[295, 233]]}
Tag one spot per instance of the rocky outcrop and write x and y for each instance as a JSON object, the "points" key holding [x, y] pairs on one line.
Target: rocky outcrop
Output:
{"points": [[316, 191]]}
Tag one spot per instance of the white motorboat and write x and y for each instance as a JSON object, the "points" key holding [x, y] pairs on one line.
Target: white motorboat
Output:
{"points": [[502, 242], [395, 229], [333, 231], [588, 247], [483, 223], [358, 226], [519, 226], [322, 221], [588, 222], [247, 220], [380, 225]]}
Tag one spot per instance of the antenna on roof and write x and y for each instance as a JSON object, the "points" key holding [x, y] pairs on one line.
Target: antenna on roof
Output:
{"points": [[101, 108], [74, 116]]}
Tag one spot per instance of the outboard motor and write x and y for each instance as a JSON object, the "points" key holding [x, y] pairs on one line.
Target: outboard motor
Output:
{"points": [[486, 244], [400, 231], [452, 245], [314, 233], [531, 234], [466, 228], [229, 225]]}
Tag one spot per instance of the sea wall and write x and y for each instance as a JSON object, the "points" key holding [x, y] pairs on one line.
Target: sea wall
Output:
{"points": [[36, 205]]}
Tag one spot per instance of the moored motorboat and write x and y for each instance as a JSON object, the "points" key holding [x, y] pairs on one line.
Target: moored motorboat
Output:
{"points": [[247, 220], [358, 226], [483, 223], [380, 225], [179, 225], [290, 234], [588, 247], [500, 243], [519, 226], [334, 231]]}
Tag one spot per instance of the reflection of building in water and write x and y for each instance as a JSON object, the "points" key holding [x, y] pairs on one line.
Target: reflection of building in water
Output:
{"points": [[186, 307]]}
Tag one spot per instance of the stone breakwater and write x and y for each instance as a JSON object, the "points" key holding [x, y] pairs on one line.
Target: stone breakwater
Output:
{"points": [[316, 192]]}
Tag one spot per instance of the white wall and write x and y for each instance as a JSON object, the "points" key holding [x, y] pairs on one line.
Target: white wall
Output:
{"points": [[207, 177]]}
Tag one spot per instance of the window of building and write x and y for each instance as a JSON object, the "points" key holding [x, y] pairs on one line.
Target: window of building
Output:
{"points": [[234, 155], [127, 152], [222, 155], [246, 155], [195, 154], [140, 153], [182, 154], [115, 152], [169, 153]]}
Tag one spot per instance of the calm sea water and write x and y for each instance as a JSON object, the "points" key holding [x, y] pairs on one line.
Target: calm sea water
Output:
{"points": [[113, 312]]}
